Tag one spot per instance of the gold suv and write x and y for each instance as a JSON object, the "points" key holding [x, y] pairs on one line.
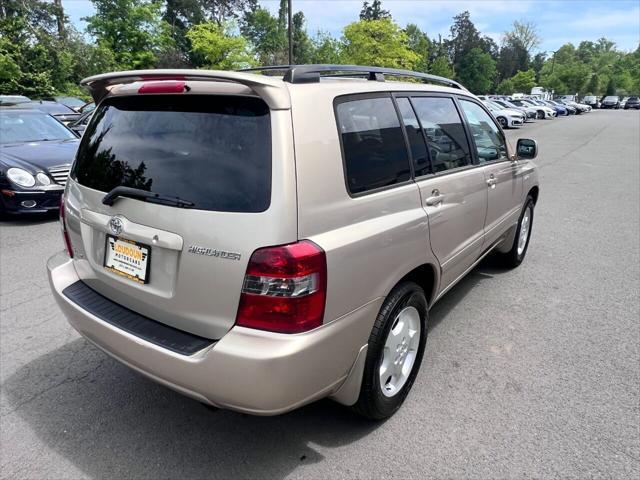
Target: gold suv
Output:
{"points": [[258, 240]]}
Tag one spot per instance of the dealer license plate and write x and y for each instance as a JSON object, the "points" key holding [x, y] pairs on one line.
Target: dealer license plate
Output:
{"points": [[127, 258]]}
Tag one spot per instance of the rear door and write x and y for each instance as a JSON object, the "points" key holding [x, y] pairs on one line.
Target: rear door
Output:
{"points": [[453, 191], [503, 181], [229, 161]]}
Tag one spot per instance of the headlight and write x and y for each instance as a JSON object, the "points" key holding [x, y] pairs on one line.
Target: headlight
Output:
{"points": [[43, 179], [21, 177]]}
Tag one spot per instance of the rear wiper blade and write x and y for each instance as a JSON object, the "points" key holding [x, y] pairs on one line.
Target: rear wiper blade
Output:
{"points": [[145, 196]]}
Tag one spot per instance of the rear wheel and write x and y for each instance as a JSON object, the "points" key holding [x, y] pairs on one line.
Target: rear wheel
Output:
{"points": [[515, 256], [396, 347]]}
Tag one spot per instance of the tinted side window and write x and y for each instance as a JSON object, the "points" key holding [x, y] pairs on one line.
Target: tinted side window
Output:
{"points": [[489, 139], [421, 163], [375, 154], [445, 134]]}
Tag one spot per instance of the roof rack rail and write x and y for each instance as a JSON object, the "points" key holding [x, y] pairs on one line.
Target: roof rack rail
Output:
{"points": [[312, 73]]}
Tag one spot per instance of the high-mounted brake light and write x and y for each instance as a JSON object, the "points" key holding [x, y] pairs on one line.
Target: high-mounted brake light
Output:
{"points": [[284, 288], [63, 226], [163, 87]]}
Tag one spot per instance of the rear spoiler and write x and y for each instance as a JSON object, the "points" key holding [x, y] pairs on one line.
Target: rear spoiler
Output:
{"points": [[273, 91]]}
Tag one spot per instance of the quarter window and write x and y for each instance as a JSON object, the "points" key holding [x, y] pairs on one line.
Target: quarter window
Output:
{"points": [[489, 139], [375, 153], [421, 164], [445, 134]]}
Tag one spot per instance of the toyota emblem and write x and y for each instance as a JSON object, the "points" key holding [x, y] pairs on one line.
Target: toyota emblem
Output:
{"points": [[115, 225]]}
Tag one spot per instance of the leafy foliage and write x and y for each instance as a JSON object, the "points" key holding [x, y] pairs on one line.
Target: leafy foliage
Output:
{"points": [[41, 53], [477, 71], [219, 47], [374, 11], [378, 43]]}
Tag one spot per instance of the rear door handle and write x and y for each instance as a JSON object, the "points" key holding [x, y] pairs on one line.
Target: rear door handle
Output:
{"points": [[492, 182], [435, 199]]}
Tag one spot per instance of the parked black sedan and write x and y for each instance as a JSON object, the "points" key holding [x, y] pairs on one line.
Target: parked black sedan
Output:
{"points": [[633, 102], [36, 152]]}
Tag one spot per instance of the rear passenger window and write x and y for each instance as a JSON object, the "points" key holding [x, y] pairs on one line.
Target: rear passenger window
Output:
{"points": [[445, 134], [416, 140], [375, 154], [490, 142]]}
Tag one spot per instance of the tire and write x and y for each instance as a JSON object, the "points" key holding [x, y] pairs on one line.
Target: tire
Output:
{"points": [[503, 122], [408, 299], [514, 257], [540, 115]]}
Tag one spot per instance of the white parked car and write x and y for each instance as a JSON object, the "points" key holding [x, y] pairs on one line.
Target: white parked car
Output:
{"points": [[507, 118], [542, 110], [529, 114]]}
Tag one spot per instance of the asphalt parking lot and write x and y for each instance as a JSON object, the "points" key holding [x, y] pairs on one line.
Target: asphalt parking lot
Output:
{"points": [[528, 373]]}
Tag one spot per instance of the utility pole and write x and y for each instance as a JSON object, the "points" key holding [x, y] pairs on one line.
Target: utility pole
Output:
{"points": [[290, 17], [553, 61]]}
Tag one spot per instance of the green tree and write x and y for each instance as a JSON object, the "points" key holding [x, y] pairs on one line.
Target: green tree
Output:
{"points": [[326, 49], [524, 81], [441, 66], [419, 43], [506, 87], [132, 29], [374, 11], [464, 38], [593, 87], [611, 87], [220, 49], [302, 45], [377, 42], [477, 71], [524, 34], [263, 32]]}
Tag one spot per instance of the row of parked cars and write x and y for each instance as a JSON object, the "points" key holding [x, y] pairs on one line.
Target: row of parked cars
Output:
{"points": [[514, 112], [613, 101]]}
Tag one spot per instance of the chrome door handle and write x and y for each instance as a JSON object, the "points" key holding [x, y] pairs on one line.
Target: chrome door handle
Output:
{"points": [[435, 199]]}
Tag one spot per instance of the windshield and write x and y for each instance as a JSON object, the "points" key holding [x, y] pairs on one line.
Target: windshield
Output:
{"points": [[212, 150], [611, 98], [52, 108], [70, 101], [492, 106], [589, 98], [19, 127]]}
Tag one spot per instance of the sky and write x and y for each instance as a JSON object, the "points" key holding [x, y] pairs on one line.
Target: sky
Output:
{"points": [[557, 21]]}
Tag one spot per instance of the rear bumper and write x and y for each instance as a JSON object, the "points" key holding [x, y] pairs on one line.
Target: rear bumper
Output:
{"points": [[19, 201], [247, 370]]}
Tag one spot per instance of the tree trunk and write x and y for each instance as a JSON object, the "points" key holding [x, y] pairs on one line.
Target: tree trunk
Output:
{"points": [[60, 18]]}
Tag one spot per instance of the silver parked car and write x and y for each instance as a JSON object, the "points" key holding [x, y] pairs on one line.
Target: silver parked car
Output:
{"points": [[258, 242]]}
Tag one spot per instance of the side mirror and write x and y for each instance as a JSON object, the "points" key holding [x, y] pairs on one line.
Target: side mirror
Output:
{"points": [[527, 149]]}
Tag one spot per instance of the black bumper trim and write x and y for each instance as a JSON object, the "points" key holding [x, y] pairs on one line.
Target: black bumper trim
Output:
{"points": [[164, 336]]}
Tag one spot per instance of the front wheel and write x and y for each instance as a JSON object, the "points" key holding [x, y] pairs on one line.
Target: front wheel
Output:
{"points": [[394, 354], [503, 122], [515, 256], [540, 115]]}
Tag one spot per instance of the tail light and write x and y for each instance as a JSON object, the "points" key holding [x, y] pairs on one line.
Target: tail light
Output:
{"points": [[284, 288], [63, 226], [163, 87]]}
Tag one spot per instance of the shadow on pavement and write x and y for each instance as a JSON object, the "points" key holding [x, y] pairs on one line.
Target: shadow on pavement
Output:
{"points": [[110, 422], [27, 220]]}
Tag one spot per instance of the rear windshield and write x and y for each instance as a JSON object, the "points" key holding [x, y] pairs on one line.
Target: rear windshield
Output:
{"points": [[214, 151]]}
